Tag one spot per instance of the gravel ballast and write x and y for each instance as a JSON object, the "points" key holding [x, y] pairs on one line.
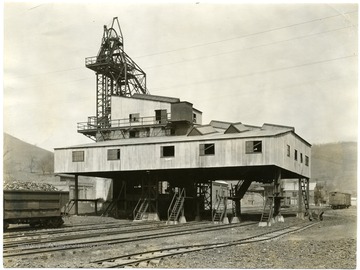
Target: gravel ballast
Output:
{"points": [[328, 244]]}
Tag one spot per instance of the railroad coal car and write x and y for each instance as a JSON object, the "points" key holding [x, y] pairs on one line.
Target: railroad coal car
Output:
{"points": [[339, 200], [37, 208]]}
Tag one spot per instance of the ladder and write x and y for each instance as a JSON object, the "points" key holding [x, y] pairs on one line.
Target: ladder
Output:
{"points": [[305, 198], [140, 209], [267, 213], [176, 205], [220, 210]]}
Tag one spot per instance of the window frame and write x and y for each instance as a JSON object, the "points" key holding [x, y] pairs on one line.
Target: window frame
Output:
{"points": [[295, 154], [168, 155], [111, 156], [252, 145], [78, 156], [288, 149], [307, 160], [161, 116], [205, 149], [136, 134], [134, 117]]}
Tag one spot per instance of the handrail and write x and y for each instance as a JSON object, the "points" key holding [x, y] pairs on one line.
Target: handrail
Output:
{"points": [[92, 122], [217, 208], [181, 195], [139, 206], [136, 207], [171, 204]]}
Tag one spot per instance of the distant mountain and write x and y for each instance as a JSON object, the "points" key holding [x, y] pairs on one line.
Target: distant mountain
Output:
{"points": [[335, 166], [26, 162]]}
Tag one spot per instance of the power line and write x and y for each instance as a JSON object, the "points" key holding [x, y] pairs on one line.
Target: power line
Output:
{"points": [[250, 48], [219, 41], [260, 72], [244, 36], [55, 71], [275, 90], [81, 79]]}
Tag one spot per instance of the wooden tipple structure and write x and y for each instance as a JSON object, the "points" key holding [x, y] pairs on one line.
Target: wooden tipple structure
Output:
{"points": [[163, 160]]}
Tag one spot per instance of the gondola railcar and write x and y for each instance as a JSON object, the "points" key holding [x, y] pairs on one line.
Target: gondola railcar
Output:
{"points": [[338, 200], [37, 208]]}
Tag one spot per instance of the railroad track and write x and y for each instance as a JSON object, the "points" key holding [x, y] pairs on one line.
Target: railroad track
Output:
{"points": [[154, 256], [43, 237], [28, 232], [53, 246]]}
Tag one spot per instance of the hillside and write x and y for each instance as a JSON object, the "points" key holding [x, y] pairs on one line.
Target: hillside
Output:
{"points": [[26, 162], [335, 165]]}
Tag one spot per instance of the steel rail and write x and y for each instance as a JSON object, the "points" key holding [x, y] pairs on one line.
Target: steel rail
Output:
{"points": [[122, 230], [179, 250], [68, 246], [72, 228]]}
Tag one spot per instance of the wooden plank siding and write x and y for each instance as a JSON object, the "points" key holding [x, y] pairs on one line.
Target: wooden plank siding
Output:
{"points": [[123, 106], [229, 152]]}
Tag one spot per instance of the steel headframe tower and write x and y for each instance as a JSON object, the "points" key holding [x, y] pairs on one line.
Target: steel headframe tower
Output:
{"points": [[116, 73]]}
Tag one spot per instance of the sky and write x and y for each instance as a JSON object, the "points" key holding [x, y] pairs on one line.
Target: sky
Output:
{"points": [[287, 64]]}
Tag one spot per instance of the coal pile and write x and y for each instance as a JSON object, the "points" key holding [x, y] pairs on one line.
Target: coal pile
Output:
{"points": [[29, 186]]}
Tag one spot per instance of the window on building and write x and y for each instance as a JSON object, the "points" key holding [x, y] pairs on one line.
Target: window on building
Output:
{"points": [[134, 117], [78, 156], [295, 155], [113, 154], [253, 147], [133, 134], [207, 149], [168, 151], [194, 118], [160, 116], [288, 150], [301, 158], [306, 160]]}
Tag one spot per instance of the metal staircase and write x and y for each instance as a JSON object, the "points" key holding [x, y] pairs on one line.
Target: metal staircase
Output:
{"points": [[176, 205], [240, 189], [220, 210], [268, 211], [69, 205], [141, 208], [305, 198], [237, 192]]}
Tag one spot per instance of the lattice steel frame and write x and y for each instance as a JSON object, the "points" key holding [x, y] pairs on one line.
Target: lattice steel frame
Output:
{"points": [[116, 73]]}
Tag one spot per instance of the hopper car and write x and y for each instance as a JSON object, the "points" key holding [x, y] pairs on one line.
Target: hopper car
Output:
{"points": [[36, 208], [338, 200]]}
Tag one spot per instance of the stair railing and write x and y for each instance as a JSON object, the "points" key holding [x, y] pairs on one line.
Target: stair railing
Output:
{"points": [[218, 212], [140, 208], [176, 204]]}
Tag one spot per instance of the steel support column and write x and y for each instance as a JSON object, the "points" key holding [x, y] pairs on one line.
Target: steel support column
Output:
{"points": [[308, 189], [277, 192], [76, 194], [300, 203]]}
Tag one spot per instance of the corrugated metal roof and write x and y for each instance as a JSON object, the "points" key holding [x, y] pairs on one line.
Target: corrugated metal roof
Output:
{"points": [[156, 98], [203, 130], [273, 126], [185, 138], [240, 127], [219, 124]]}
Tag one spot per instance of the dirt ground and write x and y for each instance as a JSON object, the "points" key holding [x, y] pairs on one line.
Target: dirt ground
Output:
{"points": [[330, 244]]}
